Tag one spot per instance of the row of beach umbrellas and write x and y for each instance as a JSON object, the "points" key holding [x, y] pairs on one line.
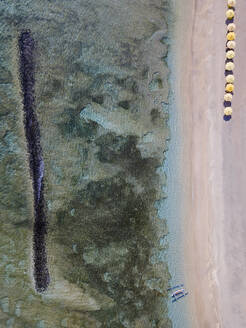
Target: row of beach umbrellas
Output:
{"points": [[230, 54]]}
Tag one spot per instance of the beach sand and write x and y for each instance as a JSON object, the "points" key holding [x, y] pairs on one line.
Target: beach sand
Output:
{"points": [[214, 153]]}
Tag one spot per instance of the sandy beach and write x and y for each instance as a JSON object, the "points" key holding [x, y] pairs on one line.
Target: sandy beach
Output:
{"points": [[214, 153]]}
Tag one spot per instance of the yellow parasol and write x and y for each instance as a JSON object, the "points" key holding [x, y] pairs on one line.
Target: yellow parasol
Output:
{"points": [[229, 87], [228, 97], [231, 27], [228, 111], [231, 36], [229, 66], [231, 3], [231, 44], [230, 13], [230, 78], [230, 54]]}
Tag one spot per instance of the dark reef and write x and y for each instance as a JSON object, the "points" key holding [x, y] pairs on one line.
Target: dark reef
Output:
{"points": [[114, 234]]}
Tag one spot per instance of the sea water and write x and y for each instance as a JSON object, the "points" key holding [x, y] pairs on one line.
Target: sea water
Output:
{"points": [[170, 207]]}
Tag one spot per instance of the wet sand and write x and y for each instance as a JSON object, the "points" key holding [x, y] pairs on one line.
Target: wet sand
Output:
{"points": [[214, 153]]}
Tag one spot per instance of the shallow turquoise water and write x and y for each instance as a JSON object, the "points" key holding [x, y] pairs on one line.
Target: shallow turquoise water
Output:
{"points": [[170, 208]]}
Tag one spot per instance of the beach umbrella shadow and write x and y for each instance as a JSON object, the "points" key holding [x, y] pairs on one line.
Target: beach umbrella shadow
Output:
{"points": [[227, 118]]}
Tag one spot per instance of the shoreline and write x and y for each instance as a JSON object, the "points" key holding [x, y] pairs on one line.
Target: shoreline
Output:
{"points": [[177, 312], [181, 59]]}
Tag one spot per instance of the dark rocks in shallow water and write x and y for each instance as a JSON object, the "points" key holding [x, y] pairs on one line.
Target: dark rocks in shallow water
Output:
{"points": [[124, 104], [114, 233], [123, 151], [111, 212], [71, 126], [98, 99], [102, 147]]}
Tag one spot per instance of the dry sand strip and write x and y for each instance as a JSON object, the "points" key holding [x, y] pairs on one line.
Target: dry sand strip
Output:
{"points": [[214, 157]]}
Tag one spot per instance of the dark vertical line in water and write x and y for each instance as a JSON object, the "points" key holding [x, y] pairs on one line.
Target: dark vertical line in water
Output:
{"points": [[32, 131]]}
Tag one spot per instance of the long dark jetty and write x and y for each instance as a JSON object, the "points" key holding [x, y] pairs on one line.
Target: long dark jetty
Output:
{"points": [[36, 163]]}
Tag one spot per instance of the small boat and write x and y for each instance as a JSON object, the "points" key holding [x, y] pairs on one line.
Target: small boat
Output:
{"points": [[175, 299], [178, 286], [178, 292]]}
